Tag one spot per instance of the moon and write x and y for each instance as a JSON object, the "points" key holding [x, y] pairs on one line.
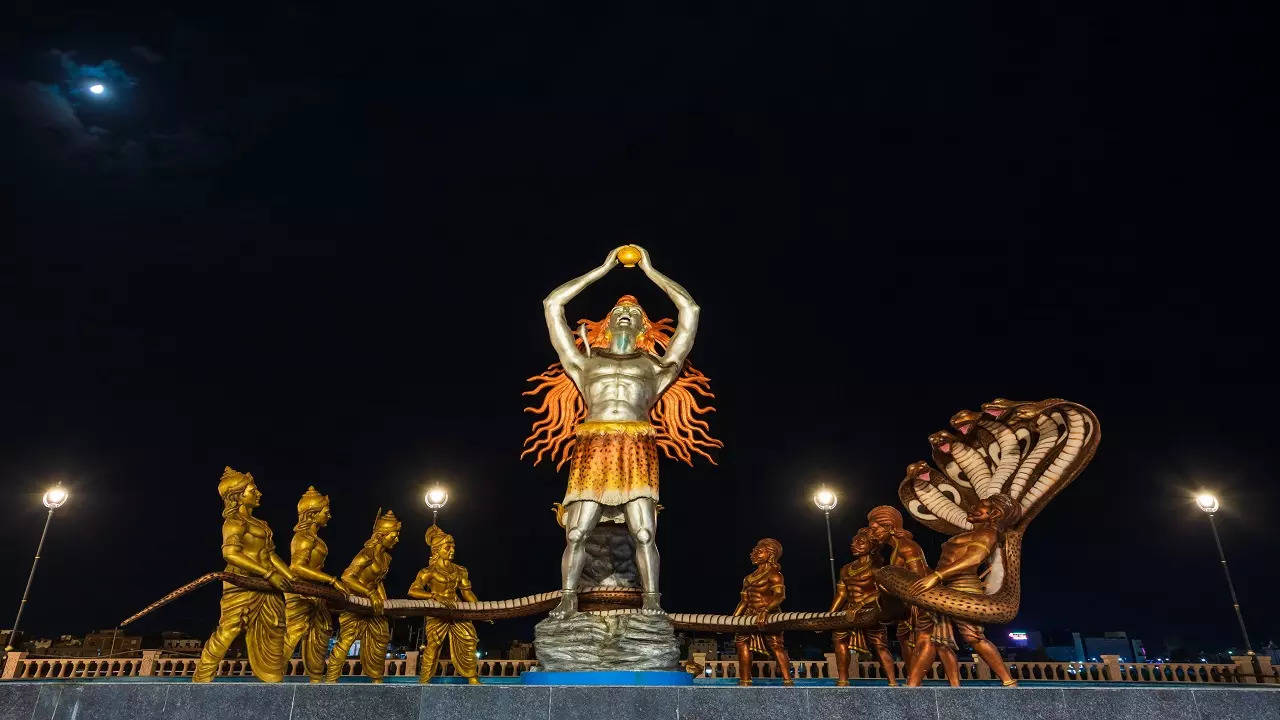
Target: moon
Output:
{"points": [[97, 88]]}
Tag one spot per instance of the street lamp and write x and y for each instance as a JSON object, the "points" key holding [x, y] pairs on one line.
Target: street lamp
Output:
{"points": [[826, 501], [436, 498], [54, 498], [1209, 504]]}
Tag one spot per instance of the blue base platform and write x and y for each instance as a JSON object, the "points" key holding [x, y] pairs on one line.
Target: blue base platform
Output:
{"points": [[665, 678]]}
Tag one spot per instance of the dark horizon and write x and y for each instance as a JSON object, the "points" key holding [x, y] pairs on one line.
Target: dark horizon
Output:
{"points": [[312, 246]]}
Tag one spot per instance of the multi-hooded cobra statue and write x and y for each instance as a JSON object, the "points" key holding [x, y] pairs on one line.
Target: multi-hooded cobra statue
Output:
{"points": [[1027, 451]]}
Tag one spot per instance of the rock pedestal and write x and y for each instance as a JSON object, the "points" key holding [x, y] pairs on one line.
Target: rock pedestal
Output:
{"points": [[610, 640], [604, 641]]}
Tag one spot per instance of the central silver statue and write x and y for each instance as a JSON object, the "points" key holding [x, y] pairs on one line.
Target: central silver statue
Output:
{"points": [[620, 377]]}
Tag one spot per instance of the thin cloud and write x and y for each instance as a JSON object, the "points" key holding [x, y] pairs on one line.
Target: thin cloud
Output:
{"points": [[147, 54]]}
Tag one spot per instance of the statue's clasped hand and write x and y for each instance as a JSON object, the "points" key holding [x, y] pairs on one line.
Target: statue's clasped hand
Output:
{"points": [[924, 583], [278, 581]]}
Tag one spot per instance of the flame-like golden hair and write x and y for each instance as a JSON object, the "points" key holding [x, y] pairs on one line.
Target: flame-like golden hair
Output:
{"points": [[680, 432]]}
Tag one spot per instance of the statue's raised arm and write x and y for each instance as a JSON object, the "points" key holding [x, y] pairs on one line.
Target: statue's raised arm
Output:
{"points": [[686, 321], [553, 309]]}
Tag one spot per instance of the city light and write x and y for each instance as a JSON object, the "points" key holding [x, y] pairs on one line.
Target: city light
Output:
{"points": [[824, 499], [1022, 636], [1207, 502], [436, 497], [54, 497]]}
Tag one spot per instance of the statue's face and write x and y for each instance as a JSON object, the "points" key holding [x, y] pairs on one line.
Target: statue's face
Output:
{"points": [[324, 516], [390, 539], [251, 496], [761, 553], [862, 544], [626, 320], [983, 512], [880, 530], [446, 550]]}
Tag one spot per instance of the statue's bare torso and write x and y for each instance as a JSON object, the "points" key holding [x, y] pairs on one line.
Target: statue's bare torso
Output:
{"points": [[620, 390]]}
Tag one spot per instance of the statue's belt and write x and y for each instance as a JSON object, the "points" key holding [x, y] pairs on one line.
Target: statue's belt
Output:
{"points": [[599, 600]]}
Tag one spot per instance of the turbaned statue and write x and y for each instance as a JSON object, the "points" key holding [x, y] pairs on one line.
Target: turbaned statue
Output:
{"points": [[618, 400]]}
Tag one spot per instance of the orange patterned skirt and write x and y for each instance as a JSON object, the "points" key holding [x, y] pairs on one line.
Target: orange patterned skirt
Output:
{"points": [[613, 463]]}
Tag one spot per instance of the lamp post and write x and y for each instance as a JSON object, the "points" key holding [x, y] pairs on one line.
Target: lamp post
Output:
{"points": [[436, 498], [826, 501], [1209, 504], [54, 497]]}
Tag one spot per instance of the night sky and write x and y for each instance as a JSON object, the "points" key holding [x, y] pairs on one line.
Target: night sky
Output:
{"points": [[312, 245]]}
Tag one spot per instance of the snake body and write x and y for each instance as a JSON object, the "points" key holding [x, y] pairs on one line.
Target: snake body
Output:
{"points": [[607, 601], [995, 609]]}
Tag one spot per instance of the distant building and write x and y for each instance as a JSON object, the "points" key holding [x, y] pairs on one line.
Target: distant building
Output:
{"points": [[180, 643], [707, 646], [520, 650], [1067, 646], [1272, 650], [19, 641], [110, 642]]}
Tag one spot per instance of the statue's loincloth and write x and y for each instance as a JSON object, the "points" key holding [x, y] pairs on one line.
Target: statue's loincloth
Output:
{"points": [[944, 627], [613, 463]]}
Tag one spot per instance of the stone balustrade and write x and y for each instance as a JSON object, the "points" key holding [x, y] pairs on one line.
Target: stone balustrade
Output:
{"points": [[21, 666], [153, 663]]}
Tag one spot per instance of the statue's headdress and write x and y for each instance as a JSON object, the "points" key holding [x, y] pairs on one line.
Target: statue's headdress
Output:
{"points": [[311, 500], [774, 546], [232, 481], [680, 433], [385, 523], [889, 515], [436, 538]]}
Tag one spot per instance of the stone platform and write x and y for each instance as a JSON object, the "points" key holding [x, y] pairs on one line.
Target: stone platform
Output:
{"points": [[181, 700]]}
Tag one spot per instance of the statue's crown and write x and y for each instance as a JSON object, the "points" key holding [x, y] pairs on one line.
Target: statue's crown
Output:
{"points": [[386, 522], [233, 480], [311, 500], [436, 537]]}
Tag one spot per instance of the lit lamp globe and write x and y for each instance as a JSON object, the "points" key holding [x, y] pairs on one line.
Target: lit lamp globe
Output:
{"points": [[825, 500], [629, 256], [54, 497], [436, 497], [1207, 503]]}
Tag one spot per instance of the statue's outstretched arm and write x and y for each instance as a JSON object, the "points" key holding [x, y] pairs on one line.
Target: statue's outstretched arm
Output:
{"points": [[233, 552], [686, 321], [973, 554], [918, 565], [558, 327], [299, 555], [351, 577], [282, 566]]}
